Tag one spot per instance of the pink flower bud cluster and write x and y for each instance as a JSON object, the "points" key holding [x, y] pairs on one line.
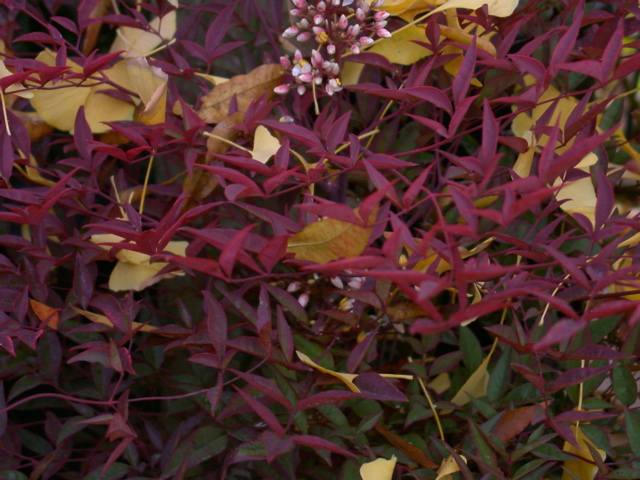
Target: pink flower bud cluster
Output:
{"points": [[338, 27]]}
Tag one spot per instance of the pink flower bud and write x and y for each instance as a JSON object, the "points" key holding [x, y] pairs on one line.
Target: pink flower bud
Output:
{"points": [[302, 4], [305, 77], [381, 15], [364, 41], [343, 23], [297, 56], [318, 30], [383, 33], [319, 19], [377, 4], [353, 31], [335, 3], [304, 23], [290, 32], [335, 69], [333, 86], [346, 2], [296, 12], [380, 24], [360, 15], [281, 89], [321, 6], [355, 49], [303, 299], [301, 89], [316, 58], [331, 49], [285, 62], [304, 36]]}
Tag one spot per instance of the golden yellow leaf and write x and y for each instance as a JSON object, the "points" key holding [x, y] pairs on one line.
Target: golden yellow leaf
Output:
{"points": [[212, 78], [134, 271], [330, 239], [102, 319], [441, 383], [497, 8], [475, 386], [400, 47], [59, 104], [150, 83], [408, 9], [379, 469], [265, 145], [448, 468], [346, 378], [582, 467], [246, 89], [138, 42]]}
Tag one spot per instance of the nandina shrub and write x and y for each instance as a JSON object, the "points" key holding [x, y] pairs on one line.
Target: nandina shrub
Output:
{"points": [[206, 282]]}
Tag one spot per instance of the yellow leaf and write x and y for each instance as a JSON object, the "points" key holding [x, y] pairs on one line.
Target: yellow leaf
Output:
{"points": [[102, 319], [497, 8], [400, 47], [138, 42], [134, 271], [58, 105], [331, 239], [475, 386], [379, 469], [448, 468], [582, 467], [212, 78], [265, 145], [346, 378], [441, 383], [150, 83]]}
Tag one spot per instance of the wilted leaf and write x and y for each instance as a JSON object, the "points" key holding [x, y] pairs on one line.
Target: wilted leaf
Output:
{"points": [[583, 467], [346, 378], [265, 145], [246, 89], [330, 239], [379, 469]]}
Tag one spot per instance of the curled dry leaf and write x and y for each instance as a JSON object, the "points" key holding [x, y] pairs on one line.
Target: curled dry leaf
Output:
{"points": [[346, 378], [379, 469], [410, 450], [448, 467], [331, 239], [246, 89]]}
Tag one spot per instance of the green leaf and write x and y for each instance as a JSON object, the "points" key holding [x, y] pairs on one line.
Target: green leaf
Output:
{"points": [[12, 475], [633, 431], [528, 468], [500, 376], [470, 345], [624, 385], [633, 473]]}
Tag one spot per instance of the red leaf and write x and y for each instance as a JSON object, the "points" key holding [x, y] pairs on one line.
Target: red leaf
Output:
{"points": [[230, 252], [266, 386], [326, 398], [263, 412], [314, 442], [576, 376], [379, 388], [466, 71]]}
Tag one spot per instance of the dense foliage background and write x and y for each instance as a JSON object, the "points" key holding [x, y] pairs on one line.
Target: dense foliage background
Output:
{"points": [[462, 210]]}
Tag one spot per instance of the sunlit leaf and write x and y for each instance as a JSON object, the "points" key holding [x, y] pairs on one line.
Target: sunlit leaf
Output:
{"points": [[497, 8], [448, 468], [265, 145], [582, 467], [330, 239], [102, 319], [379, 469], [16, 88]]}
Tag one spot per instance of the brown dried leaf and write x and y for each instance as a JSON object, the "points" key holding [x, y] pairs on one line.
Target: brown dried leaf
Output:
{"points": [[331, 239], [411, 451], [246, 88], [513, 422]]}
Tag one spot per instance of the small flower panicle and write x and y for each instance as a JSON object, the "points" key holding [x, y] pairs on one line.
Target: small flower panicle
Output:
{"points": [[337, 27]]}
